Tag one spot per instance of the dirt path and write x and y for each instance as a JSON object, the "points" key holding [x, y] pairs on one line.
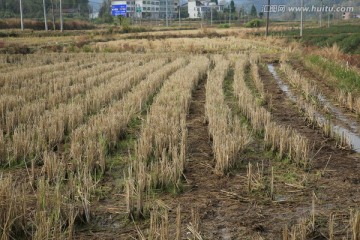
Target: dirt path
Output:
{"points": [[225, 208], [203, 191]]}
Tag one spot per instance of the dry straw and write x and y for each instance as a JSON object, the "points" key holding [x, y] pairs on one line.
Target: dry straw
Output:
{"points": [[286, 141], [228, 134], [310, 93], [92, 141], [161, 148], [50, 129], [12, 209]]}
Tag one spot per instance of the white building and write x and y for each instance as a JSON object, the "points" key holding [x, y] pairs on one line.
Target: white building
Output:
{"points": [[197, 9], [152, 8]]}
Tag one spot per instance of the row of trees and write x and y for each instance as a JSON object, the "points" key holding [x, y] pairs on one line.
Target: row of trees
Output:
{"points": [[34, 8], [234, 12]]}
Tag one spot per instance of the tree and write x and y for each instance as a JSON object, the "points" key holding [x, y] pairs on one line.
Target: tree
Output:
{"points": [[253, 11], [34, 8], [215, 1], [104, 9], [232, 6], [104, 12], [215, 14], [242, 12], [184, 12], [261, 14]]}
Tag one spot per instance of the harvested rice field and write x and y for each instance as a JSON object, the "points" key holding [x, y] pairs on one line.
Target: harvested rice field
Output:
{"points": [[213, 136]]}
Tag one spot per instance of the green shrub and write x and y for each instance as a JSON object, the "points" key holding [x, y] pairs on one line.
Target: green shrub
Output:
{"points": [[224, 25], [255, 23]]}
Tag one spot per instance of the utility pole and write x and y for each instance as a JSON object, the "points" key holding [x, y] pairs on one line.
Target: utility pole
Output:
{"points": [[230, 13], [211, 14], [45, 19], [302, 18], [321, 13], [21, 16], [267, 19], [166, 13], [52, 14], [61, 18], [179, 15]]}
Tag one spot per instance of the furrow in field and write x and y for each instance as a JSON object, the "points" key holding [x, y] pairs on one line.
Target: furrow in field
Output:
{"points": [[283, 139], [12, 96], [161, 148], [75, 87], [93, 140], [228, 135], [40, 73], [316, 107], [28, 77], [51, 128]]}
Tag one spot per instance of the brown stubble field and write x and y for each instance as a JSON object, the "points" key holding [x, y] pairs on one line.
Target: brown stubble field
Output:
{"points": [[202, 135]]}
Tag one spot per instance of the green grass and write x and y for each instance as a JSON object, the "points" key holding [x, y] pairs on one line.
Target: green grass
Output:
{"points": [[346, 79], [347, 37], [231, 100], [250, 84]]}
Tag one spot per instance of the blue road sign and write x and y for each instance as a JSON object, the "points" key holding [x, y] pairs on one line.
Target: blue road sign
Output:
{"points": [[117, 10]]}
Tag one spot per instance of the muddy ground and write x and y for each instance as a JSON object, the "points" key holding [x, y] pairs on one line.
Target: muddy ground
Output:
{"points": [[225, 207]]}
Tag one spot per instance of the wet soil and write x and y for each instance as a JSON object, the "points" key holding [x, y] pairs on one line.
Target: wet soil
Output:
{"points": [[334, 188], [324, 87], [227, 210]]}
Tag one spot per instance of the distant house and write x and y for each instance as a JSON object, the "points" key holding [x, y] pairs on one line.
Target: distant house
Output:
{"points": [[197, 9], [350, 15], [94, 15], [346, 15], [146, 8]]}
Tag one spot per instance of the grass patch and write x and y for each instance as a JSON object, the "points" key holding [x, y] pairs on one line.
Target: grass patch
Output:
{"points": [[250, 84], [347, 37], [346, 79], [230, 98]]}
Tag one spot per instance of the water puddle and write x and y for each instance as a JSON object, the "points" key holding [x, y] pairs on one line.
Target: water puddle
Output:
{"points": [[338, 114], [341, 131], [282, 85]]}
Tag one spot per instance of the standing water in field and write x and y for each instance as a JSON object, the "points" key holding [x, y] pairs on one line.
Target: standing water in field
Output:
{"points": [[282, 85], [339, 130]]}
